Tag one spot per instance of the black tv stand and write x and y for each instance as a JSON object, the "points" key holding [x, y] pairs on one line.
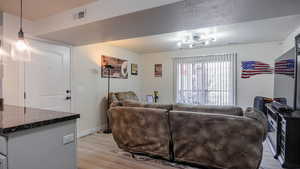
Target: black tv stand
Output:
{"points": [[284, 136]]}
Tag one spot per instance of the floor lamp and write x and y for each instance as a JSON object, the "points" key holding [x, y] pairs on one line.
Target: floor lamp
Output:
{"points": [[108, 129], [2, 53]]}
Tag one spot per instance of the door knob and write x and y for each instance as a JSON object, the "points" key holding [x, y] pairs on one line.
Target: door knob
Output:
{"points": [[68, 98]]}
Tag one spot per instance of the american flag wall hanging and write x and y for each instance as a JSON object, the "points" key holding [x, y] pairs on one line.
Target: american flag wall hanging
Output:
{"points": [[285, 67], [251, 68]]}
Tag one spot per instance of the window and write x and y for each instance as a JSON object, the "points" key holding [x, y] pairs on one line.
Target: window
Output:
{"points": [[205, 80]]}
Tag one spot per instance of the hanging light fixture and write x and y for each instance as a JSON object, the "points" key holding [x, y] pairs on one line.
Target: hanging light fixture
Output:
{"points": [[2, 51], [21, 43]]}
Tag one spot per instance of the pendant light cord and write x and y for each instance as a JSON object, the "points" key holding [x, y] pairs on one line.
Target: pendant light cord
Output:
{"points": [[21, 19]]}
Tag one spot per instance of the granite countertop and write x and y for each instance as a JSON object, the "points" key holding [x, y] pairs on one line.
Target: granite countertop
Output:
{"points": [[14, 118]]}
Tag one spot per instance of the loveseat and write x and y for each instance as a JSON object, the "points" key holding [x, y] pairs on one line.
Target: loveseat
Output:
{"points": [[212, 136]]}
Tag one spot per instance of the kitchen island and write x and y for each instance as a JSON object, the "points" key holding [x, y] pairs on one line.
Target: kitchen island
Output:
{"points": [[37, 139]]}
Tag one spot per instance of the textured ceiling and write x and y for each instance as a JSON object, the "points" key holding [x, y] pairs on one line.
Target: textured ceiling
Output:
{"points": [[180, 16], [276, 29], [38, 9]]}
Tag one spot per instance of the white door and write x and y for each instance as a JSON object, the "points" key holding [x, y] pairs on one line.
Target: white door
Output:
{"points": [[47, 77]]}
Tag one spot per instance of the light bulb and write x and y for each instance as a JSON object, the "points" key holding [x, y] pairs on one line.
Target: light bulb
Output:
{"points": [[179, 44], [2, 52], [21, 45], [204, 36], [206, 43]]}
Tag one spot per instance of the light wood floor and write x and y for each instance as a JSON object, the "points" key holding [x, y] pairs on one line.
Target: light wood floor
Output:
{"points": [[99, 151]]}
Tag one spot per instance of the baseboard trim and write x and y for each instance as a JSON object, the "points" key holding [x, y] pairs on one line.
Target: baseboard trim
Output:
{"points": [[89, 132]]}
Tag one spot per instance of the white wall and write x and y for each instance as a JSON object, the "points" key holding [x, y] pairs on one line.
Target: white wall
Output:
{"points": [[89, 89], [13, 82], [247, 89]]}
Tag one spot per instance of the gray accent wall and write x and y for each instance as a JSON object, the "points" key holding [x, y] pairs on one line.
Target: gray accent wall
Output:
{"points": [[186, 15]]}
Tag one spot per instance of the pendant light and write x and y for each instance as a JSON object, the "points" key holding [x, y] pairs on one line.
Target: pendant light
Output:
{"points": [[2, 50], [21, 43]]}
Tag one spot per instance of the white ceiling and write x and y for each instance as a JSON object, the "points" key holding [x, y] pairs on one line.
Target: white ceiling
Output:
{"points": [[38, 9], [275, 29]]}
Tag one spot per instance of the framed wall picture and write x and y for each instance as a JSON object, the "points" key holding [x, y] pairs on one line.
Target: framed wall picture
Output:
{"points": [[134, 69], [119, 67], [158, 70]]}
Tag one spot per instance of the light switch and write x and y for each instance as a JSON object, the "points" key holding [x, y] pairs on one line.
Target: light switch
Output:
{"points": [[70, 138]]}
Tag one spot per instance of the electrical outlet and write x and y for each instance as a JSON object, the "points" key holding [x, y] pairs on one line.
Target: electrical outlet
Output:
{"points": [[70, 138]]}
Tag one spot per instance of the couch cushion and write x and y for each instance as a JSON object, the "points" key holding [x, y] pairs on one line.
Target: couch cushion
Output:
{"points": [[141, 130], [121, 96], [159, 106], [130, 103], [228, 110], [112, 98]]}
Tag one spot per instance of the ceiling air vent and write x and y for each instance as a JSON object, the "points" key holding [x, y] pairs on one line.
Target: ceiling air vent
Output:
{"points": [[80, 14]]}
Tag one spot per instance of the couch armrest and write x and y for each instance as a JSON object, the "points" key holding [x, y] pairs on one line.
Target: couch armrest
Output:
{"points": [[259, 117], [141, 130], [216, 140], [115, 104]]}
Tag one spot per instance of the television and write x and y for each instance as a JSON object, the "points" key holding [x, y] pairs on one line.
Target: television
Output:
{"points": [[286, 85], [285, 79]]}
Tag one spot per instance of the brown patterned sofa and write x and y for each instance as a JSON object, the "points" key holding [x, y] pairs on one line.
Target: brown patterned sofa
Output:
{"points": [[116, 97], [219, 137]]}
